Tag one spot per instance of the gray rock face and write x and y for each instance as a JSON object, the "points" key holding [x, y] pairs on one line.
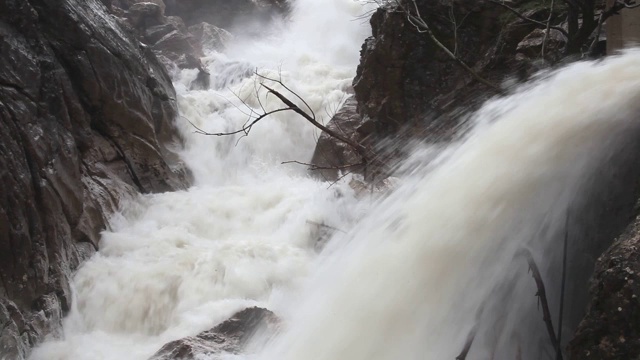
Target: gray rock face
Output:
{"points": [[231, 336], [85, 114]]}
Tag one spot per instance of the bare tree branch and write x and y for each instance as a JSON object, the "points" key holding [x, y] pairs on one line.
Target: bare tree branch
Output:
{"points": [[533, 21], [548, 29]]}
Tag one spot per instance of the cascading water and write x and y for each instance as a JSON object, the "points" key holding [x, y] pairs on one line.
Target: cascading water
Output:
{"points": [[415, 272], [175, 264]]}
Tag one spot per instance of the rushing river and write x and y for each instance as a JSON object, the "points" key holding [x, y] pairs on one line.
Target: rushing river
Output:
{"points": [[406, 277]]}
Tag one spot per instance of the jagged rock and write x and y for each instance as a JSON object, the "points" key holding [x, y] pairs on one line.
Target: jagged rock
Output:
{"points": [[209, 37], [403, 77], [145, 14], [174, 45], [611, 328], [228, 337], [531, 45], [154, 33], [85, 114]]}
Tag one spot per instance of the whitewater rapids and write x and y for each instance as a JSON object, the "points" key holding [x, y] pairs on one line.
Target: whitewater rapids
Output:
{"points": [[414, 273]]}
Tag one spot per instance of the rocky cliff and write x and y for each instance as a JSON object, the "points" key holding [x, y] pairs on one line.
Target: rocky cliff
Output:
{"points": [[86, 117]]}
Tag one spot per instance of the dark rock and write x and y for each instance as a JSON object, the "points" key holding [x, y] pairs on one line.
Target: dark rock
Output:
{"points": [[405, 83], [85, 114], [145, 14], [174, 45], [531, 45], [153, 34], [611, 328], [332, 155], [230, 336]]}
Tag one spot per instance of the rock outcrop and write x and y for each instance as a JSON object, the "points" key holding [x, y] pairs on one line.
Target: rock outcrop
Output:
{"points": [[86, 118], [408, 88], [231, 336], [611, 328]]}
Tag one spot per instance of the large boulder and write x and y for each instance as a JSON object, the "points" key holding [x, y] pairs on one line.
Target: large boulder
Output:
{"points": [[86, 120], [231, 336], [209, 37]]}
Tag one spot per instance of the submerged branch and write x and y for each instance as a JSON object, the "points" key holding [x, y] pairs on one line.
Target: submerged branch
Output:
{"points": [[542, 297]]}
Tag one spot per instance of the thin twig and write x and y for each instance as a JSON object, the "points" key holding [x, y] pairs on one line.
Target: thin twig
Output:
{"points": [[597, 36], [548, 29], [564, 277], [542, 297], [533, 21], [422, 27]]}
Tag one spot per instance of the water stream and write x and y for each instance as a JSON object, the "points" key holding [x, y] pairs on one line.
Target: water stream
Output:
{"points": [[409, 276]]}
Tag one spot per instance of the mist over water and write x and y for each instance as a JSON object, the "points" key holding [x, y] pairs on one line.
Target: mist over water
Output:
{"points": [[412, 273]]}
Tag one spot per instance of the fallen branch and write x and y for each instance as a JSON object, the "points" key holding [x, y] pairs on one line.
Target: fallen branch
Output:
{"points": [[361, 150], [255, 117]]}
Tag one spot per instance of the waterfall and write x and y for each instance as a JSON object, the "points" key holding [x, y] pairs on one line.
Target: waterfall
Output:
{"points": [[440, 256], [411, 275]]}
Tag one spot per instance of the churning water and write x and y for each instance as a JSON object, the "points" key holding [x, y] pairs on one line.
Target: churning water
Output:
{"points": [[412, 274]]}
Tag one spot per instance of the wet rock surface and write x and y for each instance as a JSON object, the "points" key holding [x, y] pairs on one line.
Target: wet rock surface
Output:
{"points": [[231, 336], [407, 88], [86, 121], [611, 327], [332, 156]]}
